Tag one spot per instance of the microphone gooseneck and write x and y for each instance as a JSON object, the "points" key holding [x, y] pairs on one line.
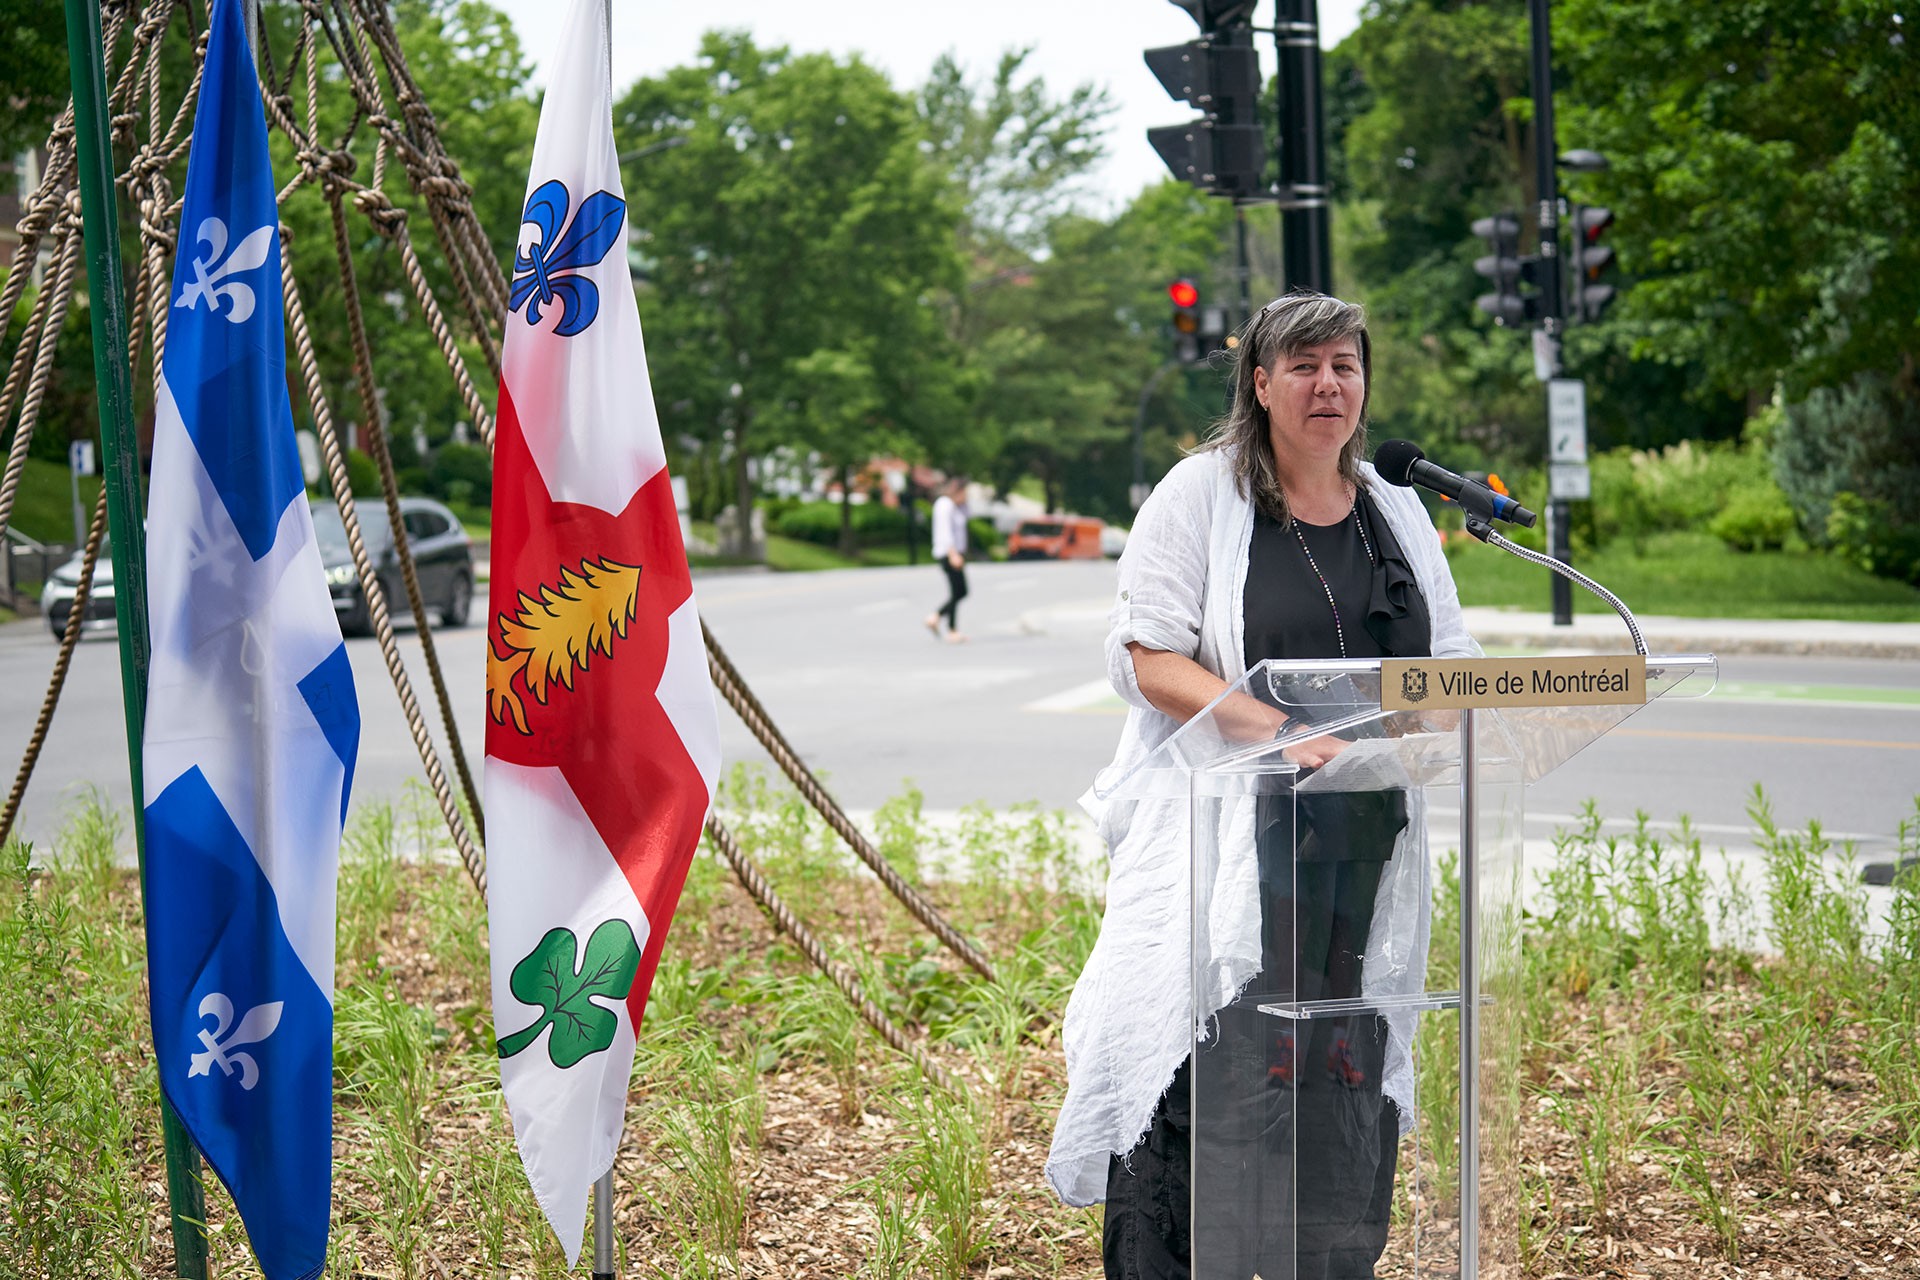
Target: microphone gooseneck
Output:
{"points": [[1403, 463]]}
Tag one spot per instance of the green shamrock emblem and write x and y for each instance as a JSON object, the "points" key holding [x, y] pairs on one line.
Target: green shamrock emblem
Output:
{"points": [[546, 977]]}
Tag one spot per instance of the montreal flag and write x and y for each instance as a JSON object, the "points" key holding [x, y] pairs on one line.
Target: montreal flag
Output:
{"points": [[252, 724], [602, 745]]}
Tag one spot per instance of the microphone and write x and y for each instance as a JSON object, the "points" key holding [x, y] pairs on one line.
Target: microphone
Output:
{"points": [[1403, 463]]}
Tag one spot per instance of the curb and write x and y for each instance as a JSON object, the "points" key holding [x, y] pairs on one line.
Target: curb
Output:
{"points": [[1896, 641]]}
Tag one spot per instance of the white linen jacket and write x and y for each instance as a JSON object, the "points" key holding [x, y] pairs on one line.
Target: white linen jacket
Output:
{"points": [[1182, 589]]}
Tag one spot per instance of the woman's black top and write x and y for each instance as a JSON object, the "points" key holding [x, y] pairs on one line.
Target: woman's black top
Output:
{"points": [[1382, 613], [1287, 615]]}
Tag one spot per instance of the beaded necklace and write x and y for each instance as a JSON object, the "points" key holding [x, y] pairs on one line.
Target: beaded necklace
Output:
{"points": [[1353, 513]]}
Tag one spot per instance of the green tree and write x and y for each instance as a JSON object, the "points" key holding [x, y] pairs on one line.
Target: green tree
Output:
{"points": [[472, 75], [1017, 151], [1061, 322], [800, 217], [1430, 116], [1766, 179], [34, 73]]}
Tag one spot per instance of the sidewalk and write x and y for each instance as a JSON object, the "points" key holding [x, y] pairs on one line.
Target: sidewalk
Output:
{"points": [[1510, 629]]}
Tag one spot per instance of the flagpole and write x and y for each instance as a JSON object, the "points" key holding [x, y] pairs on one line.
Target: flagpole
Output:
{"points": [[120, 471], [603, 1189], [603, 1227]]}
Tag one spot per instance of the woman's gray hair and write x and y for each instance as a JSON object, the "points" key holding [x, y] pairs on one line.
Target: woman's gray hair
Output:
{"points": [[1284, 327]]}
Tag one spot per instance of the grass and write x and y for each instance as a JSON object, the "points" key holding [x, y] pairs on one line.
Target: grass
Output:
{"points": [[1685, 1105], [1694, 575], [43, 506], [476, 518], [791, 555]]}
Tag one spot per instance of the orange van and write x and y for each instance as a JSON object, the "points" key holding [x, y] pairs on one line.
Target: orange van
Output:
{"points": [[1055, 538]]}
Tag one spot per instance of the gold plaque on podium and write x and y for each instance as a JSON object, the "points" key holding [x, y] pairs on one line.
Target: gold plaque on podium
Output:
{"points": [[1440, 684]]}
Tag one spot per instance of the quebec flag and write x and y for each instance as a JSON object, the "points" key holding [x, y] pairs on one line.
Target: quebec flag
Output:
{"points": [[252, 725]]}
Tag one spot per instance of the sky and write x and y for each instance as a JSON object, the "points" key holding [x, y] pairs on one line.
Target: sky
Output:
{"points": [[1074, 41]]}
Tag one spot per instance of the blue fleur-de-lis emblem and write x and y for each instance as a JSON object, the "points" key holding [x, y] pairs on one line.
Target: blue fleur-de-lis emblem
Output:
{"points": [[546, 267]]}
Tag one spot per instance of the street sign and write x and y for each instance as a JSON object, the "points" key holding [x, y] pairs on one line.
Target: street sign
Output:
{"points": [[80, 457], [1567, 481], [309, 449], [1546, 357], [1567, 421]]}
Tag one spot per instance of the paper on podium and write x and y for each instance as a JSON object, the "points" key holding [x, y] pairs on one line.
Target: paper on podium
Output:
{"points": [[1383, 764]]}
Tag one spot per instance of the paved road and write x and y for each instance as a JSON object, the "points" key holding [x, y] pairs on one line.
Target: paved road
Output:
{"points": [[1020, 713]]}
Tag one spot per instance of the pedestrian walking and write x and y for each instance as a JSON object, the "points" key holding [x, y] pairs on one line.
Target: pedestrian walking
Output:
{"points": [[950, 552]]}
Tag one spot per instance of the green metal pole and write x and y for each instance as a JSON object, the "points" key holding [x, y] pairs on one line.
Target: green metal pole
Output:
{"points": [[120, 470]]}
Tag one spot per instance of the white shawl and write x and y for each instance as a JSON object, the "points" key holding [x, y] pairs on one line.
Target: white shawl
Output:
{"points": [[1127, 1026]]}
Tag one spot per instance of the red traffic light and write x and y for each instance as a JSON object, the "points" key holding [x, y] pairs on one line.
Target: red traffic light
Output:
{"points": [[1184, 293]]}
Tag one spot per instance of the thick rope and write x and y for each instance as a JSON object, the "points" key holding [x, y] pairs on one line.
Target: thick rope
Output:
{"points": [[727, 679], [481, 284], [436, 178], [68, 639], [70, 636], [390, 490], [41, 208], [756, 885], [336, 462], [392, 223], [58, 291]]}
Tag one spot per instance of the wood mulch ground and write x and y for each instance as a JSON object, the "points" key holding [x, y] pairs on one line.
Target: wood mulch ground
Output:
{"points": [[1853, 1208]]}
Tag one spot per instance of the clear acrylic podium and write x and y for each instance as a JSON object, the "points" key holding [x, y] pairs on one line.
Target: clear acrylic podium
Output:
{"points": [[1351, 1095]]}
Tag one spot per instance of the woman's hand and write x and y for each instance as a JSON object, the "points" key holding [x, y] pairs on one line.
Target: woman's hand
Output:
{"points": [[1315, 752], [1182, 688]]}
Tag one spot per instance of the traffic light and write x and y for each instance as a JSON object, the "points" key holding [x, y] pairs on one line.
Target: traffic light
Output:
{"points": [[1508, 271], [1591, 262], [1223, 151], [1186, 318], [1218, 15]]}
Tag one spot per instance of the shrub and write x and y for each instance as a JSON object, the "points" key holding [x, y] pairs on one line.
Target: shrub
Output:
{"points": [[1863, 439], [454, 463], [363, 475], [1727, 489], [810, 522], [1864, 532], [1756, 518], [873, 524]]}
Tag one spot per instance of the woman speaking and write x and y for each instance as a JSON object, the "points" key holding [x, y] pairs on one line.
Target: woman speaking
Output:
{"points": [[1275, 540]]}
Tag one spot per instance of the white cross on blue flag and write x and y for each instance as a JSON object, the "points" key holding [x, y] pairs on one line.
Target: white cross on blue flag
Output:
{"points": [[252, 725]]}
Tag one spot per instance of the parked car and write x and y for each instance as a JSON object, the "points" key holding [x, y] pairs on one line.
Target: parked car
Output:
{"points": [[56, 598], [442, 558], [1055, 538]]}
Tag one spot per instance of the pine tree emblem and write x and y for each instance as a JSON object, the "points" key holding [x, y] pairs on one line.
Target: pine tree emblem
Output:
{"points": [[550, 638]]}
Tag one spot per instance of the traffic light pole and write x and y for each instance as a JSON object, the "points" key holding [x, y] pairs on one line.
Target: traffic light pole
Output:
{"points": [[1306, 243], [1243, 268], [1552, 308]]}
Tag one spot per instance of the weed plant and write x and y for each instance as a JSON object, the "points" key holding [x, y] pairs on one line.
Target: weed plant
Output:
{"points": [[1681, 1091]]}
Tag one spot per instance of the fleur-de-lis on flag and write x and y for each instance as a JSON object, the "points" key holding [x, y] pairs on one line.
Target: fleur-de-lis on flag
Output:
{"points": [[261, 1021], [547, 265], [209, 270]]}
